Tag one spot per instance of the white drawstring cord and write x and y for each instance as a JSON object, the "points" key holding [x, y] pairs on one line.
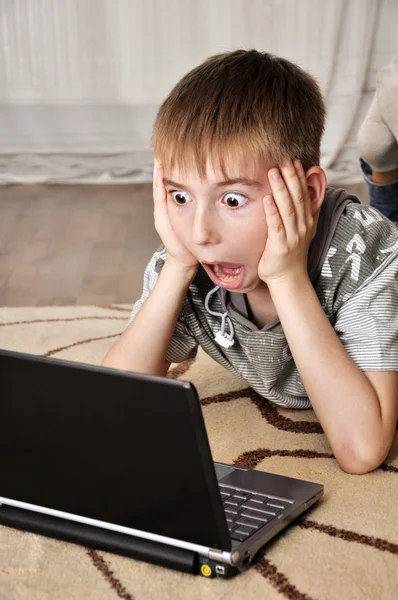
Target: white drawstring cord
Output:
{"points": [[222, 338]]}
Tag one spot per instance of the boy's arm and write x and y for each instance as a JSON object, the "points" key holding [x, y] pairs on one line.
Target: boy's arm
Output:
{"points": [[358, 411], [143, 346]]}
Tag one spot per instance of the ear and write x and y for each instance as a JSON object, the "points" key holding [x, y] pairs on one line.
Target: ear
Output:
{"points": [[316, 181]]}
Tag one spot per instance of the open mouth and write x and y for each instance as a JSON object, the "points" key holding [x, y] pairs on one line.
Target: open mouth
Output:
{"points": [[225, 274]]}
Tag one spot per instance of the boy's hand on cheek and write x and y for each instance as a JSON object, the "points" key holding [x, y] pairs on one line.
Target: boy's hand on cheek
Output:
{"points": [[290, 224], [177, 253]]}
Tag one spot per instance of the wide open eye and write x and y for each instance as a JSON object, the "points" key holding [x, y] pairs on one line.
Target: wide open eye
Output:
{"points": [[180, 198], [234, 200]]}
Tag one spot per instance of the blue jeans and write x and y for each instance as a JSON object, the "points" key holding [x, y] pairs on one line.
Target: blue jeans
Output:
{"points": [[383, 196]]}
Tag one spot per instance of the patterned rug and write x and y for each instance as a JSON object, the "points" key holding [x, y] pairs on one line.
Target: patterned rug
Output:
{"points": [[346, 547]]}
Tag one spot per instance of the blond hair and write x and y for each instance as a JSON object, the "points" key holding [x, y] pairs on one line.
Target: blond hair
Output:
{"points": [[239, 106]]}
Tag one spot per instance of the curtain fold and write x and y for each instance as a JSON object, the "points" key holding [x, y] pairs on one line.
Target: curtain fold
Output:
{"points": [[81, 81]]}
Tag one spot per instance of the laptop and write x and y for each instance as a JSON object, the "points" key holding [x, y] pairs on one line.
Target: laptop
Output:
{"points": [[120, 461]]}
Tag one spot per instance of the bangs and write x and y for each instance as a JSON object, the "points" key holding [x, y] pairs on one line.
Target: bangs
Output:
{"points": [[234, 157]]}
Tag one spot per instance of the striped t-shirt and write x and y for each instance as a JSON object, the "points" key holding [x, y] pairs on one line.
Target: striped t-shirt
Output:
{"points": [[353, 265]]}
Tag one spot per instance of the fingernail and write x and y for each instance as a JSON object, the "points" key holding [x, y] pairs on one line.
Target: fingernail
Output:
{"points": [[275, 174], [285, 161], [297, 164]]}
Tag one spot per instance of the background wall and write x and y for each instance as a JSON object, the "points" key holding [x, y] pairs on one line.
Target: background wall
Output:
{"points": [[81, 80]]}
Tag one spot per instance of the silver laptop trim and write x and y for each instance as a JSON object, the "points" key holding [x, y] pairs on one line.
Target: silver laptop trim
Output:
{"points": [[210, 553]]}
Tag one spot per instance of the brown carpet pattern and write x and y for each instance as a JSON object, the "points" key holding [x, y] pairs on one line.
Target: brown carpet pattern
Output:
{"points": [[345, 547]]}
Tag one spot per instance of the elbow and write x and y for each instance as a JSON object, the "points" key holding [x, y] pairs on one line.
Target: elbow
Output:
{"points": [[357, 462], [358, 467]]}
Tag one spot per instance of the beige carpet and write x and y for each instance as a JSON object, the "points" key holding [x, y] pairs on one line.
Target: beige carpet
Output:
{"points": [[344, 548]]}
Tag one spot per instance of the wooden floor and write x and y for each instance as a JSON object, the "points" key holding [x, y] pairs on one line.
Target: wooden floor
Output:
{"points": [[74, 244], [77, 244]]}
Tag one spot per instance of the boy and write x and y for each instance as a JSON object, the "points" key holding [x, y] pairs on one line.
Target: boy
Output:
{"points": [[287, 283]]}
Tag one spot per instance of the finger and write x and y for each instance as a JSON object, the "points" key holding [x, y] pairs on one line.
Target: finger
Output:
{"points": [[160, 213], [156, 167], [159, 193], [304, 186], [284, 203], [276, 234], [297, 188], [305, 213]]}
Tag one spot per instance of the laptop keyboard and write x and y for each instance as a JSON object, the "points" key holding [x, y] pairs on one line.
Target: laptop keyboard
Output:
{"points": [[246, 512]]}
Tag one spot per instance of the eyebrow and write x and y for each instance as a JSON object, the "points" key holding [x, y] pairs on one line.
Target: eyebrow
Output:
{"points": [[241, 180]]}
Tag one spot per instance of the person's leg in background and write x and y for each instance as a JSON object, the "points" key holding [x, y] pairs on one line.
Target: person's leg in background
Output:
{"points": [[378, 143]]}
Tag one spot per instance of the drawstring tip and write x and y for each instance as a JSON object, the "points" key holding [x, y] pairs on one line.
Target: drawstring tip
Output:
{"points": [[223, 341]]}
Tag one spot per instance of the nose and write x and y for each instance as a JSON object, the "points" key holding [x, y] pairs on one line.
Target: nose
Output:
{"points": [[205, 228]]}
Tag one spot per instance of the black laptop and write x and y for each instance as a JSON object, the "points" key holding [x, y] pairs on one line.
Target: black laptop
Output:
{"points": [[120, 461]]}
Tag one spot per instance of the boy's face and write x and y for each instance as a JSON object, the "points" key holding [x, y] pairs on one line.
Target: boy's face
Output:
{"points": [[222, 222]]}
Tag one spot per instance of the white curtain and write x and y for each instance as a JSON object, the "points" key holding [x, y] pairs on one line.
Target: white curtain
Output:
{"points": [[81, 80]]}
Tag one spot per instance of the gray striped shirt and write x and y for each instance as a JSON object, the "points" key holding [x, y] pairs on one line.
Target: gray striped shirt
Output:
{"points": [[353, 265]]}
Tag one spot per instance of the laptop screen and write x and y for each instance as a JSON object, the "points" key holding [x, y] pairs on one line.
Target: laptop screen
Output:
{"points": [[118, 447]]}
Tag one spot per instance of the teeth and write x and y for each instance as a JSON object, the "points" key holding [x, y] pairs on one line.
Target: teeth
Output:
{"points": [[234, 273]]}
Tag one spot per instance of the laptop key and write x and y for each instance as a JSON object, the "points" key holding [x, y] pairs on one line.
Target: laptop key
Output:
{"points": [[241, 533], [262, 507], [245, 530], [271, 508], [260, 499], [244, 495], [226, 491], [253, 523], [230, 509], [256, 514], [278, 503], [230, 518], [234, 500]]}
